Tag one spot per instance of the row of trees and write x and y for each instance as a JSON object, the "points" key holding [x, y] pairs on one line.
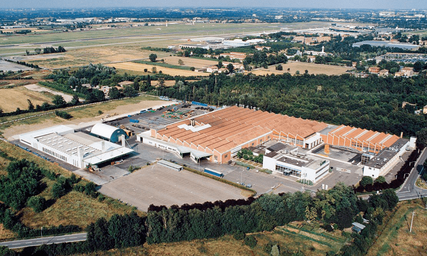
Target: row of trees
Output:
{"points": [[338, 205]]}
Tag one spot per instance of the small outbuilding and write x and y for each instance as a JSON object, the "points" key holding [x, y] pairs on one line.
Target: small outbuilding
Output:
{"points": [[108, 132]]}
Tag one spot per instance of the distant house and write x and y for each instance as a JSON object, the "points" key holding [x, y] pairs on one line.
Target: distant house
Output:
{"points": [[383, 72], [234, 55], [105, 90], [260, 48], [212, 69], [311, 58], [407, 71], [374, 70], [357, 227]]}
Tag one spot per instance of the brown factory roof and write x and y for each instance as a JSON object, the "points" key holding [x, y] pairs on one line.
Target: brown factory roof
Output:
{"points": [[234, 126]]}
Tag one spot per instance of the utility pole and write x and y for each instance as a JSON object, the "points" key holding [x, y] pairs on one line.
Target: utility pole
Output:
{"points": [[412, 220]]}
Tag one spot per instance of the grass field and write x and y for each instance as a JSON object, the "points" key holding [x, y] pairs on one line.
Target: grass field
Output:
{"points": [[396, 239], [17, 98], [293, 238], [75, 208], [170, 71], [301, 67]]}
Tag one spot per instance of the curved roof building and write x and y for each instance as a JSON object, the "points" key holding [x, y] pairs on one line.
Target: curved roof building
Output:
{"points": [[108, 132]]}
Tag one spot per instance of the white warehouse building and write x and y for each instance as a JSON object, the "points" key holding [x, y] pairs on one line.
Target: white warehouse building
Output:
{"points": [[285, 159], [76, 148]]}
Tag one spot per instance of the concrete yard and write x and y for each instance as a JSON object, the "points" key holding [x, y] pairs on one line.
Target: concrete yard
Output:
{"points": [[159, 185]]}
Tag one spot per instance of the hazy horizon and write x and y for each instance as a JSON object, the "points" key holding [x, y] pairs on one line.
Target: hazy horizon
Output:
{"points": [[326, 4]]}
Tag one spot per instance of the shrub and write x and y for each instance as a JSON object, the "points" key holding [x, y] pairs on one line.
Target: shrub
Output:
{"points": [[38, 203], [251, 241], [239, 235], [63, 114]]}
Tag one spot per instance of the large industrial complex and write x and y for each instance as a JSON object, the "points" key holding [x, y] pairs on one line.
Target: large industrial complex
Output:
{"points": [[217, 136]]}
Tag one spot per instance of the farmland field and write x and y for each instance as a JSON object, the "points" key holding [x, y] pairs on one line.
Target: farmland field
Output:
{"points": [[190, 62], [170, 71], [313, 69], [17, 97]]}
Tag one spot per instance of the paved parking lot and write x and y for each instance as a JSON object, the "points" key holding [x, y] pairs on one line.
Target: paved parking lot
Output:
{"points": [[160, 185]]}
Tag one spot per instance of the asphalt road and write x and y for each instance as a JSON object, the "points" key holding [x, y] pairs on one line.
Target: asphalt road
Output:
{"points": [[409, 190], [45, 240]]}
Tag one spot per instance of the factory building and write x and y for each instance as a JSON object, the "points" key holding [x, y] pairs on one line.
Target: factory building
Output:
{"points": [[381, 164], [76, 148], [219, 135], [357, 138]]}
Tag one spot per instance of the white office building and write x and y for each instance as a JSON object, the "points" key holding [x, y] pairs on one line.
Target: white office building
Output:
{"points": [[287, 160]]}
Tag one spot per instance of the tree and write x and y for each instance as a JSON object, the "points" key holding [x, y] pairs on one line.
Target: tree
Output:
{"points": [[30, 105], [37, 203], [154, 70], [366, 180], [59, 101], [128, 91], [180, 62], [279, 67], [75, 100], [114, 93], [380, 179], [153, 57], [58, 190], [219, 64], [230, 68], [422, 136]]}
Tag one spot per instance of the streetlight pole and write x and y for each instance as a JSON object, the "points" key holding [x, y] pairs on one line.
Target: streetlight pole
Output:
{"points": [[412, 220]]}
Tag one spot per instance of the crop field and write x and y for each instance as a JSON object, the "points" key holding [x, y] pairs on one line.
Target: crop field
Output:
{"points": [[17, 97], [190, 62], [159, 185], [395, 238], [314, 69], [140, 68]]}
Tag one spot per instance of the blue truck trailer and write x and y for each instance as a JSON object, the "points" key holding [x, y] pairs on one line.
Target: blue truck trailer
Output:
{"points": [[213, 172]]}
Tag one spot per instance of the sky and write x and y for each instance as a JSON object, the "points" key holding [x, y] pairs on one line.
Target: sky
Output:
{"points": [[360, 4]]}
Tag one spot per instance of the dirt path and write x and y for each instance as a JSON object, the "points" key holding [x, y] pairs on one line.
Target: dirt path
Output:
{"points": [[38, 88]]}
